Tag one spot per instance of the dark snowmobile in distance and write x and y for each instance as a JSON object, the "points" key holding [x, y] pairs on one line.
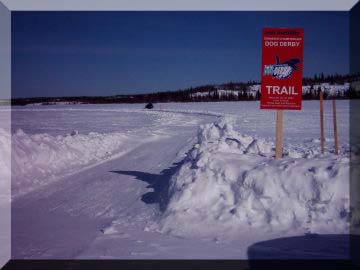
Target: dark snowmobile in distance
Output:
{"points": [[149, 106]]}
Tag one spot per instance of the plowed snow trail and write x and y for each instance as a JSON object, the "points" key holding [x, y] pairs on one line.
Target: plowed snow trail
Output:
{"points": [[107, 207]]}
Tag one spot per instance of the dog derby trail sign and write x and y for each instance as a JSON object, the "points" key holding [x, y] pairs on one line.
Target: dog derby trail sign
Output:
{"points": [[282, 68]]}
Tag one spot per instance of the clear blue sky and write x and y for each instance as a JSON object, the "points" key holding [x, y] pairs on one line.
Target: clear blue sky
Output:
{"points": [[109, 53]]}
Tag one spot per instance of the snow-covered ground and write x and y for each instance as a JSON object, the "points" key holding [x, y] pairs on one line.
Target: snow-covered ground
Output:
{"points": [[118, 181]]}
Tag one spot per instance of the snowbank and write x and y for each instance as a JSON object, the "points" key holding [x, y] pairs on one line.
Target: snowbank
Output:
{"points": [[230, 184], [42, 158]]}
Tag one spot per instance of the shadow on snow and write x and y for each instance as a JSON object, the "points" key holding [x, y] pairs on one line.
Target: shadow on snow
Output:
{"points": [[328, 251], [159, 183], [310, 246]]}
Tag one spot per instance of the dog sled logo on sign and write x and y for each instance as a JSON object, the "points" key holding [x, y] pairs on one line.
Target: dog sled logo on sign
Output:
{"points": [[282, 70]]}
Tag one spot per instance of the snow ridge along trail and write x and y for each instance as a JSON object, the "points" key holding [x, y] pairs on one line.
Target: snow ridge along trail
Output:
{"points": [[232, 185], [41, 159]]}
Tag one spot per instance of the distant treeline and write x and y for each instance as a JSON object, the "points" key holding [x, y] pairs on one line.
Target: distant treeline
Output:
{"points": [[236, 91]]}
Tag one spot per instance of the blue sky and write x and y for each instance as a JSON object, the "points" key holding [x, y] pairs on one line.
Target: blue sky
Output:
{"points": [[109, 53]]}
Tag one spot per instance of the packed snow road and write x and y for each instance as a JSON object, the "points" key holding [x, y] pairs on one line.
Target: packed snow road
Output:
{"points": [[117, 181], [62, 219], [110, 203]]}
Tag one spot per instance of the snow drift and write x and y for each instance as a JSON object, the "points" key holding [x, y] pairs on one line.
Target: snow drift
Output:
{"points": [[230, 184], [39, 159]]}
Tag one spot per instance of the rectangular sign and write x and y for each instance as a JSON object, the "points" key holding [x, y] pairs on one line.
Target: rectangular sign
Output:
{"points": [[282, 68]]}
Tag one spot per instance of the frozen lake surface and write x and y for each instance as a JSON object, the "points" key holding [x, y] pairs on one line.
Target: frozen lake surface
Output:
{"points": [[298, 125]]}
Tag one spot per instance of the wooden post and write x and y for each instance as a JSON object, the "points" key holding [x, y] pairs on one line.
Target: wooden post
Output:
{"points": [[279, 134], [322, 121], [335, 129]]}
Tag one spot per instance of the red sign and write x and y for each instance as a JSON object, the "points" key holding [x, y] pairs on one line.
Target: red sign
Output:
{"points": [[282, 68]]}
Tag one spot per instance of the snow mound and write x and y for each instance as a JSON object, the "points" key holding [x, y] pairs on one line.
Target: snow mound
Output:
{"points": [[39, 159], [230, 184]]}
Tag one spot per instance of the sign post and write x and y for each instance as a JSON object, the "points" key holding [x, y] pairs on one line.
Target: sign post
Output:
{"points": [[279, 127], [322, 138], [281, 74], [335, 129]]}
